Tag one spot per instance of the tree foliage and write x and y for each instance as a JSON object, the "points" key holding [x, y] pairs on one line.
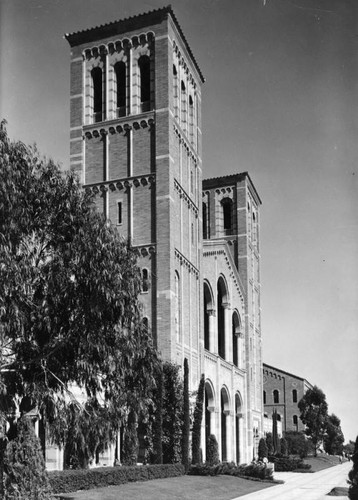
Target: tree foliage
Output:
{"points": [[172, 413], [334, 438], [198, 416], [353, 475], [314, 413], [68, 297], [24, 466], [297, 443]]}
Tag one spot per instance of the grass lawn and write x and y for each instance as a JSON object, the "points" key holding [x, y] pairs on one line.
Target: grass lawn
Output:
{"points": [[321, 462], [175, 488]]}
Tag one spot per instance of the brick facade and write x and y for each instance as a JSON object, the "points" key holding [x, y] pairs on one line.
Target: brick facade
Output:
{"points": [[143, 160], [282, 392]]}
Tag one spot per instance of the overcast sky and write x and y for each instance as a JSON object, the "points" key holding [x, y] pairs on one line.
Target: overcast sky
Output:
{"points": [[280, 101]]}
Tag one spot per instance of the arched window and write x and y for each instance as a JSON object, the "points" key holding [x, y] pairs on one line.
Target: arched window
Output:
{"points": [[205, 222], [227, 215], [294, 396], [295, 422], [96, 74], [145, 280], [276, 397], [278, 417], [144, 69], [120, 72], [264, 397]]}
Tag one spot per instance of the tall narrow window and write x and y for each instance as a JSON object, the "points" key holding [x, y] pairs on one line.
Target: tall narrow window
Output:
{"points": [[144, 68], [205, 222], [227, 215], [119, 212], [191, 119], [183, 105], [145, 280], [97, 94], [294, 396], [177, 307], [175, 91], [264, 397], [120, 72], [276, 398]]}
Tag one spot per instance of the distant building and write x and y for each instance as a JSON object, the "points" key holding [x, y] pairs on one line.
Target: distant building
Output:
{"points": [[281, 392]]}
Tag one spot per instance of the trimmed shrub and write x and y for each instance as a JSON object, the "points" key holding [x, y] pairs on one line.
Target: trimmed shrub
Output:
{"points": [[258, 471], [24, 466], [262, 451], [212, 450], [269, 443], [284, 448], [198, 416], [67, 481]]}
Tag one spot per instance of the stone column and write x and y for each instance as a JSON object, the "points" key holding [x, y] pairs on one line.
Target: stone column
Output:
{"points": [[228, 332], [213, 337]]}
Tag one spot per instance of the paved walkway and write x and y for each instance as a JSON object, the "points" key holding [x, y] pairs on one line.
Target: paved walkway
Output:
{"points": [[299, 486]]}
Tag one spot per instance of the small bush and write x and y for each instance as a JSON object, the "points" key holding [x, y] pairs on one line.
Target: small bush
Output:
{"points": [[259, 471], [72, 480]]}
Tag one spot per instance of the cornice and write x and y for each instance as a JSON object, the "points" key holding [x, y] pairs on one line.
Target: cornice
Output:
{"points": [[119, 184], [118, 126], [185, 262], [184, 195]]}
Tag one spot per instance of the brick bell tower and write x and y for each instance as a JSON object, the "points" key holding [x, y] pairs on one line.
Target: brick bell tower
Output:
{"points": [[136, 143]]}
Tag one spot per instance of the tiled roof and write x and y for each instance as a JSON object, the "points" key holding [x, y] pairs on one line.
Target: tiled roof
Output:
{"points": [[77, 37]]}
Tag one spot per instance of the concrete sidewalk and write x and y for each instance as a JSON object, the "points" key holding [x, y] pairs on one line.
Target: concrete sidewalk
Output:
{"points": [[314, 486]]}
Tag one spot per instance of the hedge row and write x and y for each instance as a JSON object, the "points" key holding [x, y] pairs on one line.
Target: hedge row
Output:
{"points": [[285, 464], [67, 481], [230, 469]]}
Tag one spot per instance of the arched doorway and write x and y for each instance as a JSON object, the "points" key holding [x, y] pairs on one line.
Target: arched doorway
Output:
{"points": [[224, 410]]}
